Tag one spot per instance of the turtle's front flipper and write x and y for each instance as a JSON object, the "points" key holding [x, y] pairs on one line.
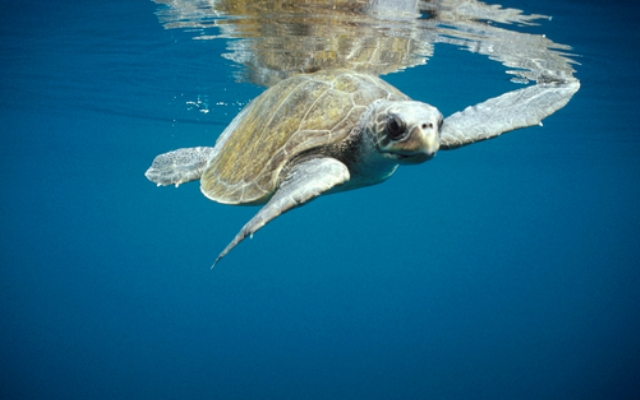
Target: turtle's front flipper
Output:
{"points": [[303, 183], [179, 166], [512, 110]]}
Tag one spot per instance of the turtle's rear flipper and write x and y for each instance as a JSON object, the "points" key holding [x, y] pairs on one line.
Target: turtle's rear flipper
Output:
{"points": [[303, 183], [179, 166]]}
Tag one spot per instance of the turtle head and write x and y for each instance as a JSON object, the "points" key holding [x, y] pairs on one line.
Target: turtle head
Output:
{"points": [[407, 132]]}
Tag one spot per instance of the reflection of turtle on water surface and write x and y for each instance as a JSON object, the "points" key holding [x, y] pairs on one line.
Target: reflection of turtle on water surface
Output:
{"points": [[336, 130]]}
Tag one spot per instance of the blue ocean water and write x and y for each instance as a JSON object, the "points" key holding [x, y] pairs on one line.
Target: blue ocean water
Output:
{"points": [[503, 270]]}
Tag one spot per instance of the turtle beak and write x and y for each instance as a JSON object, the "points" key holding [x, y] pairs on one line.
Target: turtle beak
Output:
{"points": [[421, 145], [429, 137]]}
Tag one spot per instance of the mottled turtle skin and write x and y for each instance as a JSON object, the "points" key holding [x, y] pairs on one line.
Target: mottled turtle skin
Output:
{"points": [[332, 131], [301, 115]]}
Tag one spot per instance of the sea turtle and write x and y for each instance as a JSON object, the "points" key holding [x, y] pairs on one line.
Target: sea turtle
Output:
{"points": [[331, 131]]}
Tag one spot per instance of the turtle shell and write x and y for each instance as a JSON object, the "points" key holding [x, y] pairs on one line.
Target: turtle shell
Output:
{"points": [[299, 114]]}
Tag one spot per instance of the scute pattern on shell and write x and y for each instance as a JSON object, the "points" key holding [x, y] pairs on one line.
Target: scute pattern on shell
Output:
{"points": [[298, 114]]}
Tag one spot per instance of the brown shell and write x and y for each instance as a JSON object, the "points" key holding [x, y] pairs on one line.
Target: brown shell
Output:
{"points": [[298, 114]]}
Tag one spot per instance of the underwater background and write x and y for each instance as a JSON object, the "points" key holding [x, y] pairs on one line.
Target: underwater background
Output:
{"points": [[508, 269]]}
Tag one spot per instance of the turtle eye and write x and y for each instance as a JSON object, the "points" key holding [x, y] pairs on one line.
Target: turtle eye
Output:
{"points": [[396, 128]]}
